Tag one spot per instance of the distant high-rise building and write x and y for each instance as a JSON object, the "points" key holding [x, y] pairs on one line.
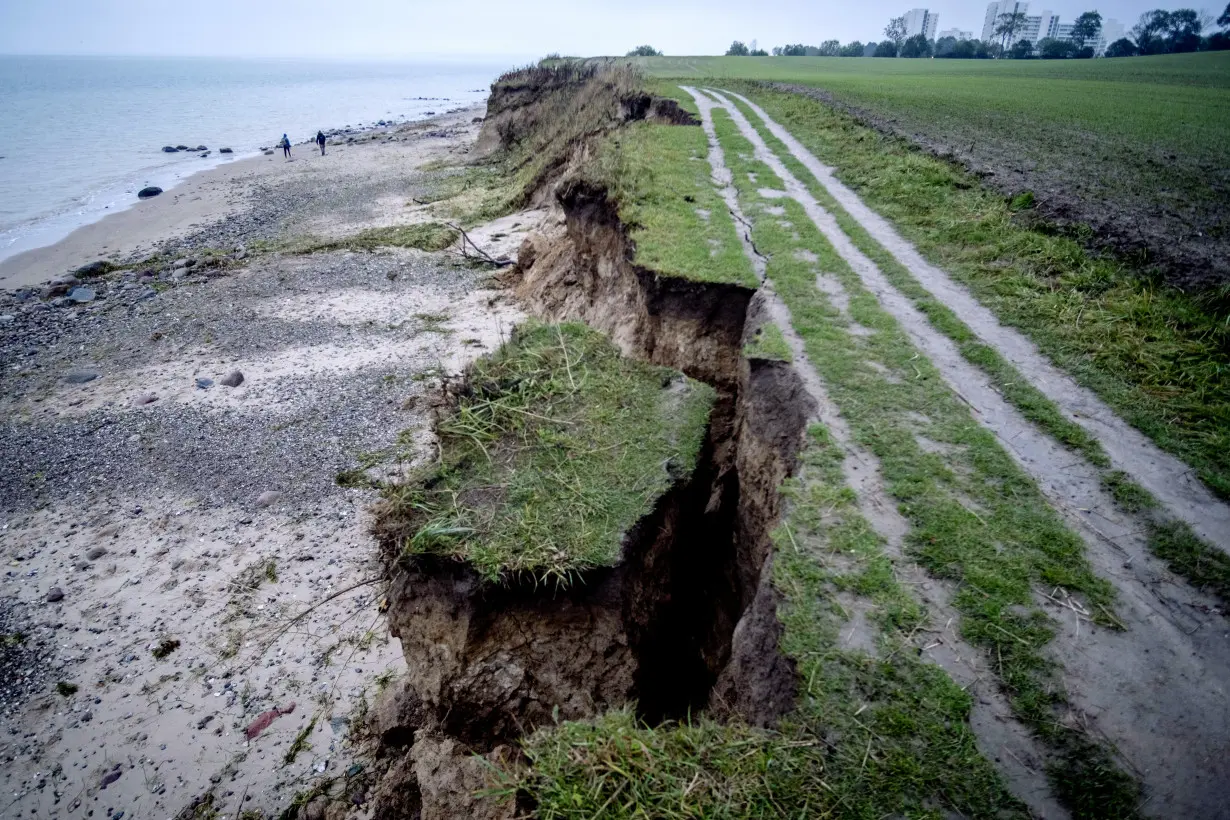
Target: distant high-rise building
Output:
{"points": [[1112, 30], [994, 10], [1037, 27], [921, 21], [956, 34]]}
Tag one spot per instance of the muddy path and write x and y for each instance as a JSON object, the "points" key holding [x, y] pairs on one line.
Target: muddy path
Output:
{"points": [[1119, 681], [190, 578]]}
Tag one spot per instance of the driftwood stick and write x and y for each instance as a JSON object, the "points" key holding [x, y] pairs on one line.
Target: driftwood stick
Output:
{"points": [[465, 237]]}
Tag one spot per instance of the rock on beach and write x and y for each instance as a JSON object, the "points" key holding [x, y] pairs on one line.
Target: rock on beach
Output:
{"points": [[146, 193]]}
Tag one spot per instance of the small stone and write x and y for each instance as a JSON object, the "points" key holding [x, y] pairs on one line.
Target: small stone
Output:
{"points": [[225, 151], [144, 399], [151, 191], [233, 379], [95, 553], [87, 717], [204, 384], [5, 318], [268, 497], [55, 595], [80, 376], [182, 263], [82, 294]]}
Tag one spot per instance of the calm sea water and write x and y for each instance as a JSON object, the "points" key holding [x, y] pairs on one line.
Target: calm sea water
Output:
{"points": [[79, 136]]}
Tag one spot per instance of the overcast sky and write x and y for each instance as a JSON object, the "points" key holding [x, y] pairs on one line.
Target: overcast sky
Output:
{"points": [[518, 28]]}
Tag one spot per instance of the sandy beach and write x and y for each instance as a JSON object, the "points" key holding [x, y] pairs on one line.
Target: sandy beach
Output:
{"points": [[211, 195], [190, 600]]}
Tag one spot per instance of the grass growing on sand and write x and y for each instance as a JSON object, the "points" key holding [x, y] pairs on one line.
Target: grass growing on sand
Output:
{"points": [[659, 177], [1153, 354], [558, 446], [975, 518], [424, 236]]}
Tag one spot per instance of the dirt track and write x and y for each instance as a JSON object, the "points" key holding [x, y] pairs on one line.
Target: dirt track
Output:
{"points": [[1155, 690]]}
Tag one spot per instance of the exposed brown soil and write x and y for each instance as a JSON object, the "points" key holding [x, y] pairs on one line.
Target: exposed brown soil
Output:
{"points": [[1188, 245]]}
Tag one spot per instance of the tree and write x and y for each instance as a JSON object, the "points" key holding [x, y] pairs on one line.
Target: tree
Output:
{"points": [[830, 48], [796, 50], [886, 49], [1168, 32], [1123, 47], [944, 46], [1224, 20], [1051, 49], [916, 46], [854, 49], [1021, 50], [1216, 42], [1087, 27], [895, 31], [1008, 26], [737, 49], [645, 51]]}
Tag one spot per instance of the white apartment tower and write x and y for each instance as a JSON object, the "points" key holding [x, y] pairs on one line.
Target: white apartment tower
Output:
{"points": [[921, 21], [994, 10], [956, 34]]}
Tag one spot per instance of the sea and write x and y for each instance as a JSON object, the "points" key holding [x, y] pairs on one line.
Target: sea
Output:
{"points": [[79, 136]]}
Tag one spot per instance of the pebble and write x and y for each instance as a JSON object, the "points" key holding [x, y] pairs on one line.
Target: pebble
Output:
{"points": [[95, 553], [204, 384], [82, 294], [80, 376], [268, 497], [144, 399], [233, 379], [55, 595]]}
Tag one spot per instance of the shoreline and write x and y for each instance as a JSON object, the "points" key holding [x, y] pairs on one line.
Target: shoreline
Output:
{"points": [[174, 506], [194, 201]]}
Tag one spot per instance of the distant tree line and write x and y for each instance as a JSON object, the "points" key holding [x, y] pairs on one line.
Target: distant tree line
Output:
{"points": [[645, 51], [740, 49], [1173, 32], [1158, 32]]}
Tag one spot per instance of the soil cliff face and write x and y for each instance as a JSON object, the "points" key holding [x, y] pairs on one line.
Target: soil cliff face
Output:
{"points": [[687, 620]]}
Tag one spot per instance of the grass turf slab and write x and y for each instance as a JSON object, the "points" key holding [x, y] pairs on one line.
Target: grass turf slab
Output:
{"points": [[659, 179], [556, 449]]}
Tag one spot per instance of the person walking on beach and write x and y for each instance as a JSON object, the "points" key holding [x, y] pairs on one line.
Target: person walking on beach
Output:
{"points": [[286, 146], [320, 140]]}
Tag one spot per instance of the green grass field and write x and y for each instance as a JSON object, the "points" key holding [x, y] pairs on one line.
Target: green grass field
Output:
{"points": [[1134, 147]]}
